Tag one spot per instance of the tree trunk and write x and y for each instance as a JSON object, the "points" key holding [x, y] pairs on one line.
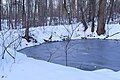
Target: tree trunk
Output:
{"points": [[89, 5], [78, 10], [35, 12], [68, 9], [83, 17], [23, 15], [45, 13], [101, 17], [111, 10], [93, 8], [51, 11], [15, 10], [28, 20]]}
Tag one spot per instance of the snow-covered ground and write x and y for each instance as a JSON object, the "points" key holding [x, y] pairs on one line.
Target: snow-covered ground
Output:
{"points": [[74, 31], [24, 68]]}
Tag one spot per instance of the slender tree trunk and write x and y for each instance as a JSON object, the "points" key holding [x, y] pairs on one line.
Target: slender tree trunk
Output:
{"points": [[64, 8], [11, 16], [59, 11], [101, 17], [25, 20], [35, 12], [111, 10], [45, 13], [78, 10], [51, 11], [89, 5], [28, 21], [93, 6], [68, 9], [83, 17], [23, 15], [15, 14], [19, 11], [40, 12]]}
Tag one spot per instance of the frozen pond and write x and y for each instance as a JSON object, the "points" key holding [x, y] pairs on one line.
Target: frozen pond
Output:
{"points": [[89, 54]]}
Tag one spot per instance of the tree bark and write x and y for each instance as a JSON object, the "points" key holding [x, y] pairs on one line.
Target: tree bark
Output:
{"points": [[101, 17]]}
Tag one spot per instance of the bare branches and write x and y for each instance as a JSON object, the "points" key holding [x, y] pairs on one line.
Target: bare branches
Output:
{"points": [[67, 41], [6, 47]]}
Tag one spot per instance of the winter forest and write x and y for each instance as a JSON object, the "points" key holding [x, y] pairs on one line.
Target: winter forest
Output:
{"points": [[59, 39]]}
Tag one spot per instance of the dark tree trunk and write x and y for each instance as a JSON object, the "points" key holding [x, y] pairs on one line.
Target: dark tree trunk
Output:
{"points": [[111, 10], [78, 10], [11, 16], [15, 14], [51, 11], [68, 11], [23, 15], [101, 17], [93, 6], [59, 11], [35, 12], [45, 13], [28, 21], [89, 5], [83, 17]]}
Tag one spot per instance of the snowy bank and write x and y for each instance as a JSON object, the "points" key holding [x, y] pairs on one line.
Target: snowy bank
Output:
{"points": [[24, 68], [30, 69]]}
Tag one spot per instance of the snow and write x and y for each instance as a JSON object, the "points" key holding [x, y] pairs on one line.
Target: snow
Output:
{"points": [[74, 31], [25, 68]]}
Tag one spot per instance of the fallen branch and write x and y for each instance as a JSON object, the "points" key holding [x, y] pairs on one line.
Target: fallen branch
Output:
{"points": [[112, 35], [6, 47]]}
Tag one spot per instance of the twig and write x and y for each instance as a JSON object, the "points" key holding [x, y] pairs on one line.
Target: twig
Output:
{"points": [[7, 47], [112, 35], [10, 54]]}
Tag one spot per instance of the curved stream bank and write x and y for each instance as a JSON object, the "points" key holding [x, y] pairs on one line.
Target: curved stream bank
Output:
{"points": [[91, 54]]}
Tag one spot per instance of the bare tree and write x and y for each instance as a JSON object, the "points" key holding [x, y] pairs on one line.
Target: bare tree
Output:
{"points": [[67, 40]]}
